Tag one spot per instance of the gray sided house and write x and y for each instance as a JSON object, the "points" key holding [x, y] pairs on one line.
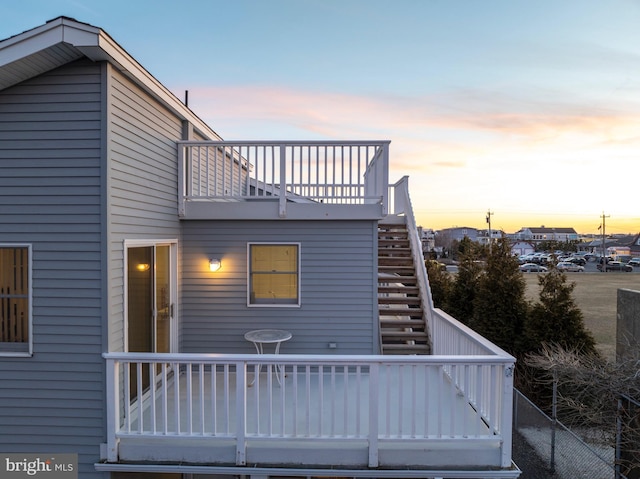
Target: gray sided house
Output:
{"points": [[137, 248]]}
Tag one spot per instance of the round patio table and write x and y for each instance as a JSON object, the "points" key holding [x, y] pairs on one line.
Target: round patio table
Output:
{"points": [[259, 338]]}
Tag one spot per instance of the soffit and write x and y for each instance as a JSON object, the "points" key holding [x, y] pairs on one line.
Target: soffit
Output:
{"points": [[64, 40]]}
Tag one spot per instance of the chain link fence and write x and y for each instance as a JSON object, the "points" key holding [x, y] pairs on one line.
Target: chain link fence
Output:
{"points": [[567, 455]]}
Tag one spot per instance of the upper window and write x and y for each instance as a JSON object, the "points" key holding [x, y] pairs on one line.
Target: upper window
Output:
{"points": [[15, 300], [274, 274]]}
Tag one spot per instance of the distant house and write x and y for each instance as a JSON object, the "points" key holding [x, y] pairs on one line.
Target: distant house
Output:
{"points": [[519, 248], [486, 236], [542, 233], [140, 253], [458, 233], [617, 245]]}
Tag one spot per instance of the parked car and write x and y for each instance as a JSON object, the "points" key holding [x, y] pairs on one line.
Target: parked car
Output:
{"points": [[577, 260], [616, 266], [532, 268], [634, 262], [569, 266]]}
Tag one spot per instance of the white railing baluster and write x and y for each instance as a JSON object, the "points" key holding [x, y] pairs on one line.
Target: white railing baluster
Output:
{"points": [[333, 402], [294, 406], [401, 394], [321, 396], [359, 398], [152, 397], [189, 398], [139, 393], [214, 399], [283, 402], [176, 398], [164, 402], [374, 433], [388, 408], [439, 400], [414, 399], [126, 397], [201, 398]]}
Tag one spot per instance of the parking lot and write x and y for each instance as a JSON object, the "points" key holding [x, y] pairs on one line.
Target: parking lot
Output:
{"points": [[589, 267]]}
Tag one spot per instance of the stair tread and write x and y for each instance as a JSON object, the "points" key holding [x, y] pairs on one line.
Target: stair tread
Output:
{"points": [[408, 335], [405, 348], [398, 300], [401, 323]]}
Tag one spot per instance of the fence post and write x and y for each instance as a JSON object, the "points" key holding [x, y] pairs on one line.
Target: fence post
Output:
{"points": [[618, 454], [554, 420]]}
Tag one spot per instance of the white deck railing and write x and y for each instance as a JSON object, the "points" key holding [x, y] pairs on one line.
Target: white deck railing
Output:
{"points": [[327, 398], [355, 172]]}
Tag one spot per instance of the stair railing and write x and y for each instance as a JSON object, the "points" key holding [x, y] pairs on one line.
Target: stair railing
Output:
{"points": [[402, 206]]}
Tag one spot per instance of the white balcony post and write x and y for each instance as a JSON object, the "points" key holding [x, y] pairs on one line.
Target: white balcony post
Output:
{"points": [[374, 390], [182, 175], [385, 179], [113, 409], [282, 206], [507, 414], [241, 413]]}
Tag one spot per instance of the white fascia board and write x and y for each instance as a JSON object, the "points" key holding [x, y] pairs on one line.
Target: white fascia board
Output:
{"points": [[43, 37], [109, 50], [96, 45]]}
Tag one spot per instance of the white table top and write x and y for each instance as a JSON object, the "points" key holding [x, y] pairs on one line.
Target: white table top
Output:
{"points": [[268, 336]]}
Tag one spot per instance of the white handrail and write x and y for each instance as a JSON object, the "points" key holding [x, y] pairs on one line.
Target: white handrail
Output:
{"points": [[346, 172], [402, 206]]}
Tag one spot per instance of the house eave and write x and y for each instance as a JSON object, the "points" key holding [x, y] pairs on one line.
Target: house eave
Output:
{"points": [[64, 40]]}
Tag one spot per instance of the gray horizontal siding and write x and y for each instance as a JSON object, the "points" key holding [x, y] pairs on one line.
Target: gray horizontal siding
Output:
{"points": [[143, 178], [338, 287], [50, 187]]}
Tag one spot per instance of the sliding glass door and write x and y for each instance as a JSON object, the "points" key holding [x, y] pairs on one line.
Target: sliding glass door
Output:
{"points": [[151, 297]]}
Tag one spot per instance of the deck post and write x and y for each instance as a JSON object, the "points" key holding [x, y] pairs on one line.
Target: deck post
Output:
{"points": [[182, 175], [507, 414], [374, 391], [113, 409], [282, 205], [241, 413]]}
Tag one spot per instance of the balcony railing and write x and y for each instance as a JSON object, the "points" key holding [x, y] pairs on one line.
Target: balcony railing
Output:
{"points": [[334, 173], [462, 399]]}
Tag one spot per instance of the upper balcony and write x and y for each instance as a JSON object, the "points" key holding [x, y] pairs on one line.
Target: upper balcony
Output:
{"points": [[286, 180]]}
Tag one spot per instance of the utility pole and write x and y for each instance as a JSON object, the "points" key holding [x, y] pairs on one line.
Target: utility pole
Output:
{"points": [[489, 213], [604, 248]]}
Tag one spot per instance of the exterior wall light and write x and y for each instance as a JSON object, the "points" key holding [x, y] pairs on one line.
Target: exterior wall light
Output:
{"points": [[214, 264]]}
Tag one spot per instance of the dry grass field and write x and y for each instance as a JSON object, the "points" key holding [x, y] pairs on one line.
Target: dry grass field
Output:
{"points": [[596, 296]]}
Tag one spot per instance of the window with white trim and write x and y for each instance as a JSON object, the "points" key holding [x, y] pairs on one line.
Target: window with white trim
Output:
{"points": [[273, 274], [15, 299]]}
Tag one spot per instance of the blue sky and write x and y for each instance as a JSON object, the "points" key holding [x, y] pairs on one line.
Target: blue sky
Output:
{"points": [[528, 108]]}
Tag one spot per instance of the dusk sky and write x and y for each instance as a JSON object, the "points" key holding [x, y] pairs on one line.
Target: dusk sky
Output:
{"points": [[528, 108]]}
